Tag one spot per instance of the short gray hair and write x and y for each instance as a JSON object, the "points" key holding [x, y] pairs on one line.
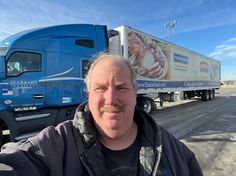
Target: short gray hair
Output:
{"points": [[104, 56]]}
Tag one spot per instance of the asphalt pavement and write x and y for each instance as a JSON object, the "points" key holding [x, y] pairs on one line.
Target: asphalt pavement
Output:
{"points": [[207, 128]]}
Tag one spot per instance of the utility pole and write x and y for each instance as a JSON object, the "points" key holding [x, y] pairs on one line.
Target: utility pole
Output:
{"points": [[170, 25]]}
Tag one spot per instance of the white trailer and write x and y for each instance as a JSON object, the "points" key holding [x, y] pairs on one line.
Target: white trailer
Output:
{"points": [[164, 68]]}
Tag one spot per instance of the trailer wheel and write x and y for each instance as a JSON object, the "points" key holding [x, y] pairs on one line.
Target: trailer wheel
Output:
{"points": [[1, 137], [146, 104], [213, 93], [205, 95], [189, 96], [210, 94], [182, 95]]}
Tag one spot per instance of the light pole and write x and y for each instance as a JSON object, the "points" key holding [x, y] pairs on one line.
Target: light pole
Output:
{"points": [[170, 25]]}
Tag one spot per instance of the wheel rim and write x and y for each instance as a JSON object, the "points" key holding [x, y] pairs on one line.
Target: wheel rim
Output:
{"points": [[147, 106]]}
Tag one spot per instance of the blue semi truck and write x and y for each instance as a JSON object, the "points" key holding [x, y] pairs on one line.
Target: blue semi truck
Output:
{"points": [[42, 72]]}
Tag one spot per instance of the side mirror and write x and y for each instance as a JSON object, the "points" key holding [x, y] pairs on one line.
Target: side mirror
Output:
{"points": [[2, 68]]}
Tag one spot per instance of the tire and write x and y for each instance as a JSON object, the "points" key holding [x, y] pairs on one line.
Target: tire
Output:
{"points": [[210, 94], [189, 96], [205, 95], [146, 104], [182, 95], [213, 93], [1, 137]]}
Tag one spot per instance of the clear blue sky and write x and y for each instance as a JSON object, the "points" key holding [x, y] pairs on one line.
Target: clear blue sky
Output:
{"points": [[204, 26]]}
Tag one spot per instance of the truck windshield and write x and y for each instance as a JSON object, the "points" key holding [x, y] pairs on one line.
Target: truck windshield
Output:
{"points": [[20, 62]]}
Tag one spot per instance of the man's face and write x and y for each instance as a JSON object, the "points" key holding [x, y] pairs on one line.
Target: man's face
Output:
{"points": [[112, 98]]}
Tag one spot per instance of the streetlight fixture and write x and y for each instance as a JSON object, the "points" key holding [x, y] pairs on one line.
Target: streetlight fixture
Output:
{"points": [[170, 25]]}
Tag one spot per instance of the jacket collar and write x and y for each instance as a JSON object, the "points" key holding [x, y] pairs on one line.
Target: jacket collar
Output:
{"points": [[89, 147]]}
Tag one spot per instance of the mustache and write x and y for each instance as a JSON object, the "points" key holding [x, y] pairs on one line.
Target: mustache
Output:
{"points": [[111, 108]]}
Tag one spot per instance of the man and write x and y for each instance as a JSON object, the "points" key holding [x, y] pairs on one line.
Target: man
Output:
{"points": [[108, 136]]}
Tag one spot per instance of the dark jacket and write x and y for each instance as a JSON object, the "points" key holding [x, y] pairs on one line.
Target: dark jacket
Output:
{"points": [[72, 149]]}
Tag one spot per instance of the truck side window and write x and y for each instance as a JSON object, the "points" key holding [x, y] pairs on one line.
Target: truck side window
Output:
{"points": [[85, 67], [85, 42], [20, 62]]}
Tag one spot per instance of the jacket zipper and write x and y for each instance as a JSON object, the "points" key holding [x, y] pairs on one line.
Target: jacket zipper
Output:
{"points": [[85, 163], [155, 170]]}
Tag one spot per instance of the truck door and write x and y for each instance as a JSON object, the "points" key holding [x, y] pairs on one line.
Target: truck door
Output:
{"points": [[24, 92]]}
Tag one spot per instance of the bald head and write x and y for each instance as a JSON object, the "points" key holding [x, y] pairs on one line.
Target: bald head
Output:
{"points": [[107, 58]]}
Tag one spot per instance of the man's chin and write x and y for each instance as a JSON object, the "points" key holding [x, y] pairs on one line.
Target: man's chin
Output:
{"points": [[114, 134]]}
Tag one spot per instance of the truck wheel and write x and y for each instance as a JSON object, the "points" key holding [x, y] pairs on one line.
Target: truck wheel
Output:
{"points": [[210, 94], [145, 103], [213, 93], [205, 95], [1, 137], [189, 96], [182, 95]]}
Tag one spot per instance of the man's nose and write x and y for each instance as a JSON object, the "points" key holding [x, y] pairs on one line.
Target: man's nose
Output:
{"points": [[111, 96]]}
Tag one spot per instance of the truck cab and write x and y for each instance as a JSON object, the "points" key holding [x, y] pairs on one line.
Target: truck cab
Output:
{"points": [[42, 73]]}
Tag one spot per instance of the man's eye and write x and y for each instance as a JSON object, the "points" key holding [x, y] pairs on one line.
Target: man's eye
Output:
{"points": [[122, 88], [100, 88]]}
